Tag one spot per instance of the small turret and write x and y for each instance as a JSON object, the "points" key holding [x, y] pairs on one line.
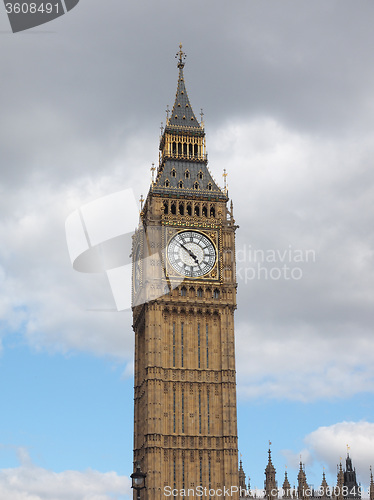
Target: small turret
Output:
{"points": [[338, 494], [350, 480], [270, 484], [242, 486], [286, 487], [325, 490], [303, 491]]}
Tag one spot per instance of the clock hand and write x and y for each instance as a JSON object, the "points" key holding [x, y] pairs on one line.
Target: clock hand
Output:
{"points": [[190, 252]]}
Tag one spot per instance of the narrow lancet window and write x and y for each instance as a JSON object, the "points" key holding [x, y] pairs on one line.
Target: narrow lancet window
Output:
{"points": [[182, 411], [207, 346], [173, 344], [182, 343], [198, 345], [174, 398]]}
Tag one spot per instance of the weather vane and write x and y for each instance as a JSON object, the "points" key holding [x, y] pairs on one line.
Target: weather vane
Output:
{"points": [[181, 56]]}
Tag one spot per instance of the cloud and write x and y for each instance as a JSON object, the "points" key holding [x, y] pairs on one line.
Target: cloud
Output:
{"points": [[54, 307], [30, 482], [293, 192], [301, 202], [328, 446]]}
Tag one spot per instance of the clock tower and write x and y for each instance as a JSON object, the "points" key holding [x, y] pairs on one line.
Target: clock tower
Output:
{"points": [[184, 298]]}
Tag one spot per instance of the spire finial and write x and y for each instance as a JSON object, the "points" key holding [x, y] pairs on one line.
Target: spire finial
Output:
{"points": [[167, 114], [153, 168], [141, 202], [181, 56], [224, 175]]}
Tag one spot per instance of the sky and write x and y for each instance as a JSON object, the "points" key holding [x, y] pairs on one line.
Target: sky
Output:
{"points": [[287, 93]]}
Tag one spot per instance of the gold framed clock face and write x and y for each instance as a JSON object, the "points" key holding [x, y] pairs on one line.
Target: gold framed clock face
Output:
{"points": [[191, 254]]}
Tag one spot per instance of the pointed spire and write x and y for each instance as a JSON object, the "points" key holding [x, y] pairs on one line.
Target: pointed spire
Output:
{"points": [[286, 486], [182, 114], [371, 489], [241, 477], [302, 485], [324, 486], [271, 487], [339, 482]]}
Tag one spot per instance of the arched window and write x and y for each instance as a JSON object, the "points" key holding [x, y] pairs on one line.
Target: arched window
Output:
{"points": [[187, 174], [205, 212], [216, 294], [174, 148], [183, 291], [179, 149], [173, 172], [196, 150], [167, 183], [185, 149], [200, 175], [190, 150], [209, 186], [212, 211], [166, 207], [199, 292], [173, 209], [189, 209], [181, 208], [196, 185], [180, 184], [197, 210]]}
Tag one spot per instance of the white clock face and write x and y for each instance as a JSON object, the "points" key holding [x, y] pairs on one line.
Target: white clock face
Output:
{"points": [[191, 254]]}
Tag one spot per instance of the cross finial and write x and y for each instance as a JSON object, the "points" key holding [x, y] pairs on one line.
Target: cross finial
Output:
{"points": [[141, 202], [181, 56]]}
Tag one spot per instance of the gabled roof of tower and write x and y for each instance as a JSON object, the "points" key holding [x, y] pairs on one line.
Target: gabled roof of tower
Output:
{"points": [[182, 114]]}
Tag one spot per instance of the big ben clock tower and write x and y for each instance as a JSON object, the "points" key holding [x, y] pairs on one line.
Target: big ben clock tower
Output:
{"points": [[184, 297]]}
